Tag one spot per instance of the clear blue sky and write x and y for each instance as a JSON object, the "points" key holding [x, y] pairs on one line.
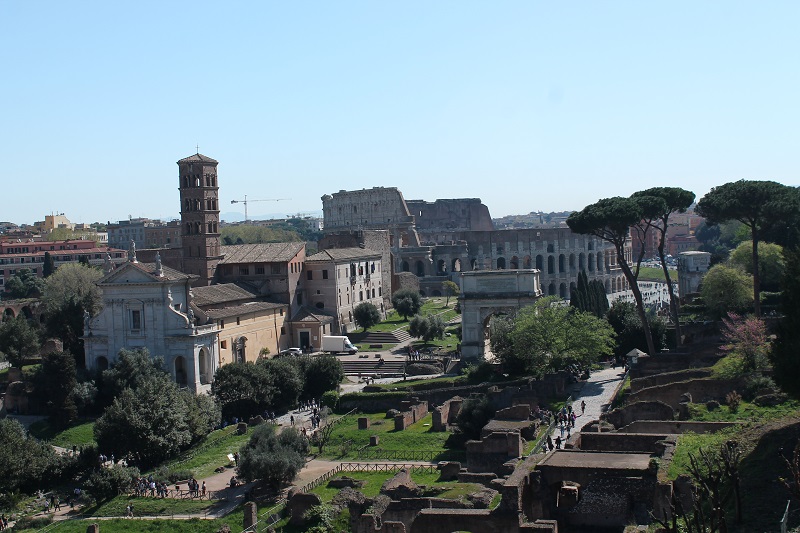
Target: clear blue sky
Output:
{"points": [[526, 105]]}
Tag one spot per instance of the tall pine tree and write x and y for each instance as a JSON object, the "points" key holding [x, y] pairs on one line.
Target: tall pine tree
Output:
{"points": [[786, 350]]}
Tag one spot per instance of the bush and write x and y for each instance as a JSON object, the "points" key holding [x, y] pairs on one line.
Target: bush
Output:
{"points": [[106, 483], [330, 399], [481, 372], [163, 473], [421, 369], [755, 384], [733, 399], [33, 522], [474, 414], [273, 458]]}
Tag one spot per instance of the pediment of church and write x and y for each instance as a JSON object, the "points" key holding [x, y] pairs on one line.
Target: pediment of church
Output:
{"points": [[129, 273]]}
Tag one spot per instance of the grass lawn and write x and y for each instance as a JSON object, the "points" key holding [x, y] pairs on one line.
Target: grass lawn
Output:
{"points": [[747, 412], [77, 435], [211, 452], [122, 525], [429, 306], [656, 274], [691, 443], [415, 437], [150, 507]]}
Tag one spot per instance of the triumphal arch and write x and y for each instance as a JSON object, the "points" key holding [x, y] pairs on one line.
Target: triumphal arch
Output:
{"points": [[488, 292]]}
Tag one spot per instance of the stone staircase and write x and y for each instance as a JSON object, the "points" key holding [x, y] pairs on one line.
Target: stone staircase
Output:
{"points": [[380, 337], [372, 366]]}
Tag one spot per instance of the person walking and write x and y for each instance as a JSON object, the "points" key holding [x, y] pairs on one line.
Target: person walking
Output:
{"points": [[583, 407]]}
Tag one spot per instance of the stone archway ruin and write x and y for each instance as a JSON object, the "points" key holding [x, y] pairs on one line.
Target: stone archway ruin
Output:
{"points": [[488, 292]]}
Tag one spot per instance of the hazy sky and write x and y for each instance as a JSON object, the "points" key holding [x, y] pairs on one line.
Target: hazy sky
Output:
{"points": [[526, 105]]}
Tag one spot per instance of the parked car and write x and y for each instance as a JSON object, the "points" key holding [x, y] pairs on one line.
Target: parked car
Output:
{"points": [[291, 351]]}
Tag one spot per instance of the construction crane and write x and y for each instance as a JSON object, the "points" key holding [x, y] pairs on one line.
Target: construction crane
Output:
{"points": [[245, 201]]}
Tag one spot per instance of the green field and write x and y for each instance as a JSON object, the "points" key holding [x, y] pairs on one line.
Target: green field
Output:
{"points": [[430, 306], [656, 274], [211, 452], [150, 507], [417, 437], [78, 435]]}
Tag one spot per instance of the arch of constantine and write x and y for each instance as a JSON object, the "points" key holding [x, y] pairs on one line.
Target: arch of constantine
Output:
{"points": [[490, 292]]}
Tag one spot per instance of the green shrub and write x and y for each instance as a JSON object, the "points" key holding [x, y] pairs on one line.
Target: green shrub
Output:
{"points": [[480, 373], [330, 399], [474, 414], [33, 522], [733, 399], [755, 384], [106, 483]]}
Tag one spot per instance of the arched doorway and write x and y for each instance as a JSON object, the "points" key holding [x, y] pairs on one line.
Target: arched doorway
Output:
{"points": [[420, 269], [551, 265], [561, 263], [562, 290], [514, 263], [540, 263], [101, 363], [180, 371], [441, 267], [526, 262], [405, 267], [501, 263], [8, 314], [456, 265], [551, 289]]}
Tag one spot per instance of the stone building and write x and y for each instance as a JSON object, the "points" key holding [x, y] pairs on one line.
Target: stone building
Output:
{"points": [[337, 280], [147, 305]]}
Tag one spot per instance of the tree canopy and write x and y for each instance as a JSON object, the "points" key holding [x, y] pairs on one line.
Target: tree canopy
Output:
{"points": [[407, 302], [726, 289], [762, 206], [611, 219], [450, 289], [68, 293], [24, 284], [550, 336], [19, 339], [589, 296], [273, 458], [770, 263], [626, 323], [366, 315]]}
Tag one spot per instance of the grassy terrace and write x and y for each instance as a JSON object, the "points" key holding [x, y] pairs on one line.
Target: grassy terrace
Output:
{"points": [[430, 306], [123, 525], [78, 435], [656, 274], [416, 437], [210, 453]]}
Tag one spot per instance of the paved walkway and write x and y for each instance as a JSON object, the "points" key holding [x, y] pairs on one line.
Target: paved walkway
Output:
{"points": [[597, 392]]}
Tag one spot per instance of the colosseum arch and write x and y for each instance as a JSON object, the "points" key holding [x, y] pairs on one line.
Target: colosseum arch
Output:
{"points": [[526, 262], [514, 264], [455, 266], [540, 263], [501, 263]]}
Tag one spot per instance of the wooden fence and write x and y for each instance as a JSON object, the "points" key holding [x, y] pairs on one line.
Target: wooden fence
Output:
{"points": [[367, 453]]}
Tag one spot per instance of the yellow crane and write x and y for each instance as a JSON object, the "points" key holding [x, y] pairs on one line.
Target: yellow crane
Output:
{"points": [[245, 202]]}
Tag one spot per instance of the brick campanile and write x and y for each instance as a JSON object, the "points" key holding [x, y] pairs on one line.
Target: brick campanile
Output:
{"points": [[199, 216]]}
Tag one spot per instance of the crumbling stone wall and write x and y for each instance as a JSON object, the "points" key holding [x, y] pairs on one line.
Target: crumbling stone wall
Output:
{"points": [[491, 452], [445, 414], [412, 411], [669, 377], [675, 427], [650, 410], [620, 442], [701, 390]]}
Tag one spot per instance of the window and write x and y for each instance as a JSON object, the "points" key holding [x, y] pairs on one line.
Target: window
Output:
{"points": [[260, 270], [222, 324], [283, 329], [237, 321], [244, 271], [310, 274], [319, 291], [324, 274], [223, 345], [276, 269], [360, 296], [136, 320]]}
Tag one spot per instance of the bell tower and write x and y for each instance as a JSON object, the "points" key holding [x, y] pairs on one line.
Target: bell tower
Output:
{"points": [[199, 192]]}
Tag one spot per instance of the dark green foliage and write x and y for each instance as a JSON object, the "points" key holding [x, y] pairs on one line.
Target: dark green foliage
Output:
{"points": [[785, 354], [417, 326], [330, 399], [107, 483], [55, 383], [49, 265], [272, 458], [589, 296], [148, 424], [286, 379], [626, 324], [320, 374], [450, 288], [366, 315], [24, 284], [243, 389], [132, 369], [427, 328], [765, 207], [475, 413], [68, 293], [407, 302], [500, 328], [19, 339], [725, 290], [25, 463], [202, 414]]}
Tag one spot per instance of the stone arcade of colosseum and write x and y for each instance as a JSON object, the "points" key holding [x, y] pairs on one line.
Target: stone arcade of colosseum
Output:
{"points": [[438, 240]]}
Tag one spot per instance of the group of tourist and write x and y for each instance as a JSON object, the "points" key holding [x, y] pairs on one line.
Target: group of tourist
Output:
{"points": [[3, 522]]}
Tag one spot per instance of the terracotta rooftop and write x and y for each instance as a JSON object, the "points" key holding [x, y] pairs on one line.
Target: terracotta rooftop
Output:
{"points": [[220, 294], [239, 310], [308, 314], [343, 254], [197, 158], [275, 252]]}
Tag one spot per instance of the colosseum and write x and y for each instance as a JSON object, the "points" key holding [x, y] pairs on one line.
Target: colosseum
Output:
{"points": [[436, 240]]}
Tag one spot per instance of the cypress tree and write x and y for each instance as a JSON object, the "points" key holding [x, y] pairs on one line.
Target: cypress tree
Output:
{"points": [[49, 265]]}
